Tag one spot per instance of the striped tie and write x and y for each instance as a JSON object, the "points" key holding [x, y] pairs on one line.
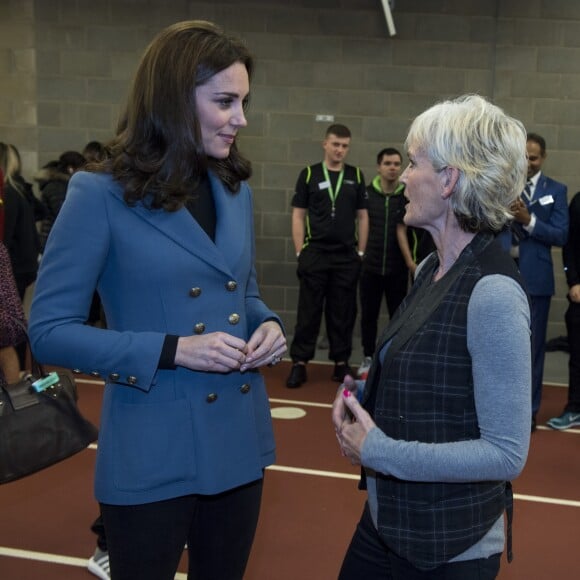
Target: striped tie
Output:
{"points": [[526, 196], [528, 190]]}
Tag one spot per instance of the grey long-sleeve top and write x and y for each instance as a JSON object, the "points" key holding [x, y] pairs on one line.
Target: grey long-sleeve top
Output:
{"points": [[498, 339]]}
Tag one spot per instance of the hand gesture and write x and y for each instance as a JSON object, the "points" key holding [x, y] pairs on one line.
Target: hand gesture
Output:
{"points": [[265, 347], [355, 426], [574, 293], [340, 412], [520, 211], [218, 352]]}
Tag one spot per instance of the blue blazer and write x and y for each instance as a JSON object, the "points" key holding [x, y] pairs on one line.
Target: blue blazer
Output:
{"points": [[163, 433], [550, 206]]}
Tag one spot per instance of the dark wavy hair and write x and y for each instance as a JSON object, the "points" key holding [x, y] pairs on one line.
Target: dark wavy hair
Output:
{"points": [[157, 153]]}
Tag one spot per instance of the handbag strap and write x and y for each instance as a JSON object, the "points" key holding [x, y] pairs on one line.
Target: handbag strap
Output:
{"points": [[36, 368], [21, 394]]}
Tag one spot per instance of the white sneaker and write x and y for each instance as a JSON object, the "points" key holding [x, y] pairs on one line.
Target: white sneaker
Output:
{"points": [[99, 564], [365, 367]]}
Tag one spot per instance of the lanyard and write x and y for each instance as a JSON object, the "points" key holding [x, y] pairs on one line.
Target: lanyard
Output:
{"points": [[331, 193]]}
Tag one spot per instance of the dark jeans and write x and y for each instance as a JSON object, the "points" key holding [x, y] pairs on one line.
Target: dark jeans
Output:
{"points": [[98, 528], [573, 330], [372, 288], [368, 558], [540, 312], [22, 283], [146, 541], [328, 282]]}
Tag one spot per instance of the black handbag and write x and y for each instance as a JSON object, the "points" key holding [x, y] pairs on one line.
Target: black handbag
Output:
{"points": [[40, 423]]}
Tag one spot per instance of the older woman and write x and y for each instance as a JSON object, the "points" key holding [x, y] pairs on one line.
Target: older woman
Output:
{"points": [[444, 422]]}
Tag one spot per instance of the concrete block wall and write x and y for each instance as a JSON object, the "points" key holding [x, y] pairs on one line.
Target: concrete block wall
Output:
{"points": [[65, 66]]}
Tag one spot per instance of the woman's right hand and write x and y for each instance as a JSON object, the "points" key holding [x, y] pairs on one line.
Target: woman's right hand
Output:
{"points": [[574, 293], [340, 412], [216, 352]]}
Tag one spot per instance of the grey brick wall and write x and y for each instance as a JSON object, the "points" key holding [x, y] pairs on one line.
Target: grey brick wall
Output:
{"points": [[65, 67]]}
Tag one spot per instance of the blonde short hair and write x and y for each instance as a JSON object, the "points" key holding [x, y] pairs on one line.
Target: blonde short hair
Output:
{"points": [[486, 145]]}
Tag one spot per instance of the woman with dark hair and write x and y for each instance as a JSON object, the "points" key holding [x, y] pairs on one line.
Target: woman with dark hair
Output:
{"points": [[163, 229], [20, 236], [14, 169], [94, 151], [53, 181], [12, 321]]}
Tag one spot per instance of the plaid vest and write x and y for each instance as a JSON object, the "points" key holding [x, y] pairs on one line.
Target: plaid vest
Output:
{"points": [[424, 392]]}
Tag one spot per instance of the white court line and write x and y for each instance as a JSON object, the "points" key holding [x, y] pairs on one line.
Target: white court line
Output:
{"points": [[546, 428], [355, 477], [329, 405], [339, 475], [284, 401], [301, 403], [82, 562], [43, 557], [90, 381], [565, 385], [350, 476], [317, 472], [55, 559], [550, 500]]}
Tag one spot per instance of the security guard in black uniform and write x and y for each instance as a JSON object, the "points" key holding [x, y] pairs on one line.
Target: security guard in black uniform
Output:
{"points": [[329, 230]]}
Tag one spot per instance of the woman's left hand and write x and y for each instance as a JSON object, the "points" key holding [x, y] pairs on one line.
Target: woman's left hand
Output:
{"points": [[266, 346], [353, 430]]}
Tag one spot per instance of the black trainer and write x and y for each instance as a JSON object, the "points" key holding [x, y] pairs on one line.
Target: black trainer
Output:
{"points": [[340, 371], [297, 376]]}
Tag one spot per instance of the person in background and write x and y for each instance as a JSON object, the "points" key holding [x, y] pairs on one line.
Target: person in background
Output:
{"points": [[540, 222], [98, 564], [1, 205], [570, 416], [94, 152], [16, 177], [445, 418], [53, 182], [163, 228], [20, 234], [416, 244], [384, 272], [329, 231], [12, 321]]}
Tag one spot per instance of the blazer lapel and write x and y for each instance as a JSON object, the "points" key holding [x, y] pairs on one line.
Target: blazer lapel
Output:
{"points": [[183, 229], [541, 186], [232, 212]]}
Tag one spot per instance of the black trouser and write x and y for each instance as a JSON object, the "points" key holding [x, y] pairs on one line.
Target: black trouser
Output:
{"points": [[573, 330], [328, 282], [98, 528], [372, 288], [146, 541], [23, 281], [368, 558], [540, 312]]}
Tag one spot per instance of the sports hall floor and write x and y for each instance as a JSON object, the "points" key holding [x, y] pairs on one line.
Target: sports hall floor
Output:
{"points": [[311, 503]]}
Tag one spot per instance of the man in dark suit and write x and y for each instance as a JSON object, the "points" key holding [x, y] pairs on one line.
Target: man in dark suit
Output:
{"points": [[570, 416], [540, 222]]}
